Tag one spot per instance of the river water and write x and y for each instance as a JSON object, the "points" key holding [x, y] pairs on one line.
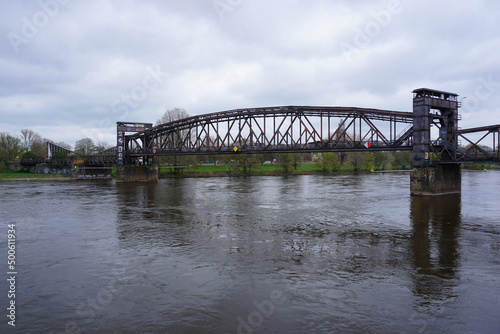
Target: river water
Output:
{"points": [[302, 254]]}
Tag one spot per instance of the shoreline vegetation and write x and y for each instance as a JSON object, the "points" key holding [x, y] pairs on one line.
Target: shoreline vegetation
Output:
{"points": [[212, 170], [27, 176]]}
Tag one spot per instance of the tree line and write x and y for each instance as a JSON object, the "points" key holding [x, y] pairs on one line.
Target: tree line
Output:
{"points": [[30, 144]]}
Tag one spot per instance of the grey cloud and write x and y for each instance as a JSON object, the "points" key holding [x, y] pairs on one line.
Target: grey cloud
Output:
{"points": [[68, 77]]}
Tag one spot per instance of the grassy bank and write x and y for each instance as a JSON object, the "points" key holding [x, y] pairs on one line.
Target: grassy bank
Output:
{"points": [[209, 170], [480, 166], [17, 176]]}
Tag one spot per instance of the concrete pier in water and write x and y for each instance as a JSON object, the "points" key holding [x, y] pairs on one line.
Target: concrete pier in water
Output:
{"points": [[442, 179], [137, 173], [91, 173]]}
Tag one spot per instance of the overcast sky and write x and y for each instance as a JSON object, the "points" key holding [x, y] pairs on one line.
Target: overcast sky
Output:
{"points": [[70, 69]]}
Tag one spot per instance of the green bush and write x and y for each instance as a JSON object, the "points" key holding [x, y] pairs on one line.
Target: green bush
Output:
{"points": [[3, 166], [327, 161], [60, 154], [29, 154]]}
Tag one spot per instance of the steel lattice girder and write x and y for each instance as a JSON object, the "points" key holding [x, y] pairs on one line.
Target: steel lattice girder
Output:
{"points": [[476, 152], [277, 129]]}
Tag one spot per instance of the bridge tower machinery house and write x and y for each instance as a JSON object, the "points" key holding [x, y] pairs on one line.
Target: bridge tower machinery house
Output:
{"points": [[440, 175], [141, 169]]}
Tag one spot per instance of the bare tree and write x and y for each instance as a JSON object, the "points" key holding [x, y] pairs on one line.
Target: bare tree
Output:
{"points": [[175, 161], [85, 146], [29, 139], [172, 115], [101, 146], [10, 146], [39, 148]]}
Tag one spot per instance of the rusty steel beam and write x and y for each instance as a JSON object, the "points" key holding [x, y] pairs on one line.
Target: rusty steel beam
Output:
{"points": [[374, 114], [490, 128], [475, 152], [293, 129], [296, 129]]}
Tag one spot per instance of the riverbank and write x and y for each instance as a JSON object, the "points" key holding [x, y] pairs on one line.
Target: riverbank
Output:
{"points": [[16, 176], [206, 170], [209, 170]]}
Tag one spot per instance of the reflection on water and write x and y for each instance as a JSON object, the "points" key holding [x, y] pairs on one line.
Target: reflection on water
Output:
{"points": [[308, 254], [434, 243]]}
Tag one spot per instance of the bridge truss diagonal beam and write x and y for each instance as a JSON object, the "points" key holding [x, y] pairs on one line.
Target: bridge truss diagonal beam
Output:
{"points": [[486, 148], [276, 129]]}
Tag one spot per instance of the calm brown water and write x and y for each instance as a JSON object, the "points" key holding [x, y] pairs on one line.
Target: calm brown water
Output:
{"points": [[306, 254]]}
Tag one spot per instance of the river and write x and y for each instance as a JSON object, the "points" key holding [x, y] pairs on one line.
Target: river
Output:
{"points": [[298, 254]]}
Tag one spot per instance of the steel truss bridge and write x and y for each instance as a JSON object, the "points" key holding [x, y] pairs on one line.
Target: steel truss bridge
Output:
{"points": [[301, 129], [296, 129], [277, 130], [105, 158]]}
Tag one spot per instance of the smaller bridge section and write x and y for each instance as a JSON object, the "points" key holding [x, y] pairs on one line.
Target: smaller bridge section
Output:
{"points": [[61, 157], [68, 162]]}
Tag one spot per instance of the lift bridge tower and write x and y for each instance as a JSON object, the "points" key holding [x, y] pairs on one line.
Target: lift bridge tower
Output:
{"points": [[434, 173]]}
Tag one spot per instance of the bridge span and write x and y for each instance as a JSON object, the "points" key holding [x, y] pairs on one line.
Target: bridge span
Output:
{"points": [[274, 130], [431, 130]]}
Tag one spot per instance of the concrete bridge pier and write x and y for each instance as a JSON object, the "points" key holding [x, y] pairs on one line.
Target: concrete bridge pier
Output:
{"points": [[91, 173], [441, 179], [137, 173]]}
